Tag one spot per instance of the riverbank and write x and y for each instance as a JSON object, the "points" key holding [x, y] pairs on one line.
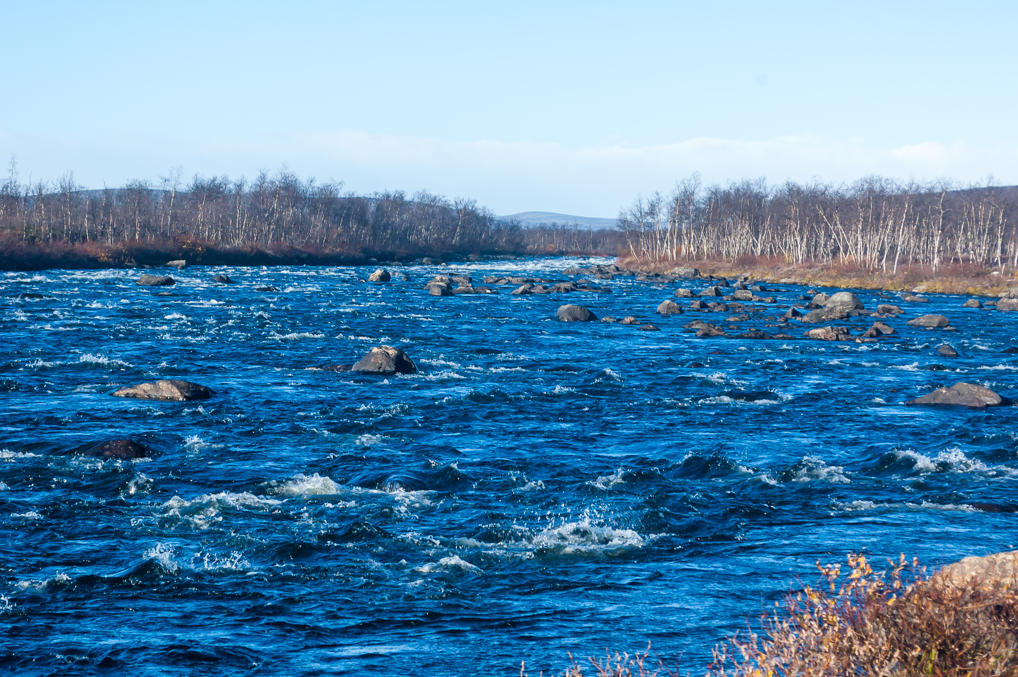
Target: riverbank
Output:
{"points": [[20, 256], [954, 279]]}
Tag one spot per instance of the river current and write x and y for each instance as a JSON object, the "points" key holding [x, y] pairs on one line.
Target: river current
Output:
{"points": [[539, 488]]}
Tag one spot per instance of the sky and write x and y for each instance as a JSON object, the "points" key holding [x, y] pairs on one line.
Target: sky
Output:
{"points": [[574, 107]]}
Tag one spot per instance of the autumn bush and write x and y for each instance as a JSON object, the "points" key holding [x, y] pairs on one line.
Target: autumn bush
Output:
{"points": [[864, 623]]}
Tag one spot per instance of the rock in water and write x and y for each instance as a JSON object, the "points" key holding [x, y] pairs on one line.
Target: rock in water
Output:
{"points": [[961, 395], [972, 303], [380, 275], [843, 299], [946, 350], [222, 278], [931, 321], [385, 360], [176, 263], [668, 307], [889, 309], [1007, 304], [573, 313], [118, 448], [169, 390], [156, 281]]}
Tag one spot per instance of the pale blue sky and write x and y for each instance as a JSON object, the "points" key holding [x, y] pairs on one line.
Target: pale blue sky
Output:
{"points": [[568, 106]]}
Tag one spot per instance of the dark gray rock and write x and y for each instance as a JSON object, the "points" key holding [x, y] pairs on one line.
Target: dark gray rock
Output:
{"points": [[830, 334], [380, 275], [843, 299], [961, 395], [156, 281], [888, 309], [931, 321], [385, 360], [167, 390], [648, 327], [222, 278], [122, 449], [946, 350], [573, 313], [668, 307]]}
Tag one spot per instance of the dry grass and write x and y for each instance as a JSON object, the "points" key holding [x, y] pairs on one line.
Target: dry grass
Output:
{"points": [[866, 624], [954, 278]]}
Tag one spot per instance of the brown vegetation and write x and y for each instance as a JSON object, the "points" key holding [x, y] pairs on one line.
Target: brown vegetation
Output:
{"points": [[973, 279], [279, 219], [875, 233], [870, 624]]}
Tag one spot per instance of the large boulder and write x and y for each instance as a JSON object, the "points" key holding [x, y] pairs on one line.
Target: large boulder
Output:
{"points": [[168, 390], [961, 395], [683, 293], [931, 321], [843, 299], [684, 272], [156, 280], [123, 449], [385, 360], [829, 334], [825, 314], [1007, 304], [573, 313], [714, 290], [990, 573], [669, 307], [380, 275]]}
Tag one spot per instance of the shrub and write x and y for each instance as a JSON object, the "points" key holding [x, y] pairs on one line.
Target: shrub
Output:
{"points": [[875, 624]]}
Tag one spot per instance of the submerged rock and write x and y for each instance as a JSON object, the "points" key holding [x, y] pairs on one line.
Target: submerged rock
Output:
{"points": [[116, 448], [385, 360], [267, 287], [156, 281], [222, 278], [648, 327], [946, 350], [573, 313], [380, 275], [961, 395], [168, 390]]}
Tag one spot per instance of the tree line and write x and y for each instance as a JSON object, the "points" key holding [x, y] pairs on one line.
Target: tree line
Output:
{"points": [[270, 213], [876, 223]]}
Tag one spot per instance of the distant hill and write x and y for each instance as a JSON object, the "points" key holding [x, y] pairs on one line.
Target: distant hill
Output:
{"points": [[530, 219]]}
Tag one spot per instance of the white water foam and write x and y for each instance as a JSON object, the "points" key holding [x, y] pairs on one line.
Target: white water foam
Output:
{"points": [[306, 485], [584, 536], [450, 563], [206, 510], [162, 554]]}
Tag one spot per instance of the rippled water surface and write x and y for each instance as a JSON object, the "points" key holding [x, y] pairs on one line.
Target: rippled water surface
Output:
{"points": [[539, 488]]}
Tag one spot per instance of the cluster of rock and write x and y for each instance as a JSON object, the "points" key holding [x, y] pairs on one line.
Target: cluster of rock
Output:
{"points": [[442, 285]]}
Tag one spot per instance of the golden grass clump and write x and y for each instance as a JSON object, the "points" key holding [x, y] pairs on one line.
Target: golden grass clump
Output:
{"points": [[871, 624], [963, 621]]}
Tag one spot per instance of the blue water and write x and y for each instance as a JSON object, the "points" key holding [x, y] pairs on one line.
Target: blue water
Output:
{"points": [[539, 488]]}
